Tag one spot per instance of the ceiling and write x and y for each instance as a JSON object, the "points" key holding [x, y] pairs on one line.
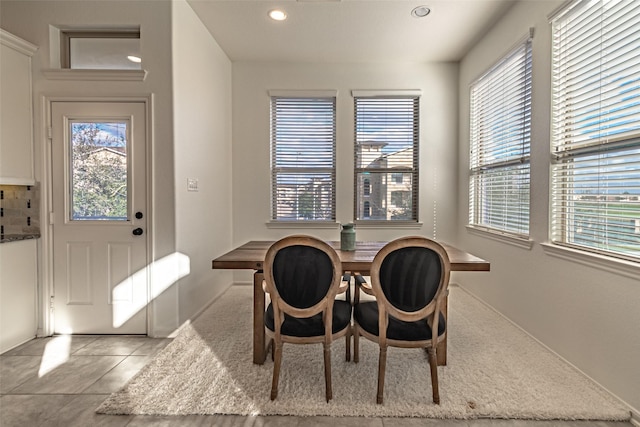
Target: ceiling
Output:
{"points": [[351, 31]]}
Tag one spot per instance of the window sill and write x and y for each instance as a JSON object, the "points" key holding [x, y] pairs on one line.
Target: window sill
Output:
{"points": [[610, 264], [91, 75], [509, 239], [303, 224], [388, 225]]}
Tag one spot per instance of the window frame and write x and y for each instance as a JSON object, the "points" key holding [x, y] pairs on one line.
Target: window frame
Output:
{"points": [[66, 35], [83, 160], [414, 97], [324, 97], [500, 143], [575, 148]]}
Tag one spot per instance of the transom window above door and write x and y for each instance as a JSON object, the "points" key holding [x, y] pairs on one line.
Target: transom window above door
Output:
{"points": [[101, 49]]}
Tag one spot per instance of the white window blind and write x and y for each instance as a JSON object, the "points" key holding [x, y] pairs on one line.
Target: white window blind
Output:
{"points": [[596, 127], [500, 139], [303, 158], [386, 157]]}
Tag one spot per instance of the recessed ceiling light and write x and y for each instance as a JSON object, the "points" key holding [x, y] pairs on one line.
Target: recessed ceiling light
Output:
{"points": [[134, 58], [277, 15], [420, 12]]}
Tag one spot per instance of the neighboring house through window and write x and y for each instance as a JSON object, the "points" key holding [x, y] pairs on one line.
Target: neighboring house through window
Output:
{"points": [[366, 187], [303, 155], [386, 155], [595, 204], [367, 210], [500, 138]]}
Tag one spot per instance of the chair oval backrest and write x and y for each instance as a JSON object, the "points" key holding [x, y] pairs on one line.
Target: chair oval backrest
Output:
{"points": [[410, 277], [302, 275], [408, 274]]}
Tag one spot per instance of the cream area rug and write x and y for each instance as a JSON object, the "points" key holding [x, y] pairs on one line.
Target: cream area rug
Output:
{"points": [[494, 370]]}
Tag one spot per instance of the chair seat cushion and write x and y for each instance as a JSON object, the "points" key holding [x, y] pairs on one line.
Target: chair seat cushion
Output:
{"points": [[366, 314], [311, 326]]}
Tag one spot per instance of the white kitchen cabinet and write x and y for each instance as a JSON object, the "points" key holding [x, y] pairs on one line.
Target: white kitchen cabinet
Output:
{"points": [[16, 112], [18, 282]]}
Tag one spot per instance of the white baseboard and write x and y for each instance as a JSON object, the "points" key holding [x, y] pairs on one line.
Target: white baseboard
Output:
{"points": [[242, 283], [635, 413], [23, 341], [198, 313]]}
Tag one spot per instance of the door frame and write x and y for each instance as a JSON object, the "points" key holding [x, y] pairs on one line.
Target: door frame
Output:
{"points": [[46, 289]]}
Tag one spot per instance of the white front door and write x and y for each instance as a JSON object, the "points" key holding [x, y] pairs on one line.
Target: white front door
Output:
{"points": [[99, 217]]}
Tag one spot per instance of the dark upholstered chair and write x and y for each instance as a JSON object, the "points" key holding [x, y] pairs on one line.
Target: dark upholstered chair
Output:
{"points": [[409, 280], [303, 275]]}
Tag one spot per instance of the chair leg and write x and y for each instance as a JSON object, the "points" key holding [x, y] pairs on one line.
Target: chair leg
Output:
{"points": [[277, 349], [382, 364], [327, 371], [433, 363], [348, 344], [356, 345]]}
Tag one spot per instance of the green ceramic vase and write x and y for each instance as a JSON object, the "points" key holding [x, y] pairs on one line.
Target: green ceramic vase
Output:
{"points": [[347, 238]]}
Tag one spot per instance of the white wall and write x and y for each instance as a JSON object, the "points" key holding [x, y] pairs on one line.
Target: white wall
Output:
{"points": [[202, 135], [587, 315], [30, 20], [251, 142]]}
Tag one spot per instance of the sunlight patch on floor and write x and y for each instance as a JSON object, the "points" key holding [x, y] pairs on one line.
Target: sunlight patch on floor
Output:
{"points": [[56, 353]]}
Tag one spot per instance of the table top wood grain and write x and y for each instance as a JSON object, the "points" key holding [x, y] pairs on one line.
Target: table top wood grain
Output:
{"points": [[251, 256]]}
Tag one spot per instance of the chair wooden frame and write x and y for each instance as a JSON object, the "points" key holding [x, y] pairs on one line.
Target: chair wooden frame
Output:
{"points": [[325, 306], [431, 312]]}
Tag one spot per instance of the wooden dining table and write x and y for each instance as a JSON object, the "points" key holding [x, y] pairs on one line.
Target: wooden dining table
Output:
{"points": [[251, 255]]}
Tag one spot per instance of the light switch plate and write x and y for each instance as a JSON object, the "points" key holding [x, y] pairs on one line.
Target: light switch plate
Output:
{"points": [[192, 184]]}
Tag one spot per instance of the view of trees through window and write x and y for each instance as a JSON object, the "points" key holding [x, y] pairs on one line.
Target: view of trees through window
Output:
{"points": [[99, 171]]}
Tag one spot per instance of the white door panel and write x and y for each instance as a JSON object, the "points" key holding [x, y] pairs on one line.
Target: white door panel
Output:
{"points": [[99, 199]]}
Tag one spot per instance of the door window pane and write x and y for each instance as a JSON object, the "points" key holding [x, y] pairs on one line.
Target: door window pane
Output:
{"points": [[99, 170]]}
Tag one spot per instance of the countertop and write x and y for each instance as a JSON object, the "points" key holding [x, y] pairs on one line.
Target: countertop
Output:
{"points": [[6, 238]]}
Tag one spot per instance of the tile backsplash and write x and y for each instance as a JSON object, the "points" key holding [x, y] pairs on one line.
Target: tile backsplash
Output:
{"points": [[19, 212]]}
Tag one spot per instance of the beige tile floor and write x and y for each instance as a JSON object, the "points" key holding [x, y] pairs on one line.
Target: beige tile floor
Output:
{"points": [[60, 381]]}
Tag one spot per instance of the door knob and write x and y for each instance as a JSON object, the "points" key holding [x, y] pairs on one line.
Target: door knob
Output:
{"points": [[139, 215], [138, 231]]}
